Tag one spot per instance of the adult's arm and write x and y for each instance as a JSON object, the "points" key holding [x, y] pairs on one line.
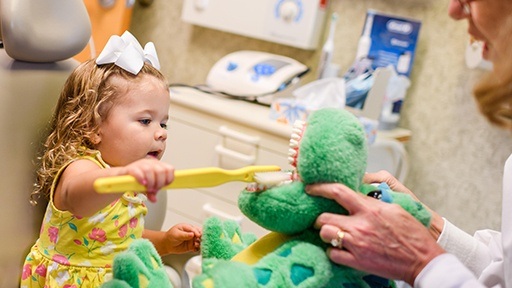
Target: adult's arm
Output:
{"points": [[446, 270], [475, 252]]}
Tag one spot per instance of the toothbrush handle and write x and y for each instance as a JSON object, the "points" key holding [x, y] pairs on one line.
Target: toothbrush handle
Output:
{"points": [[189, 178]]}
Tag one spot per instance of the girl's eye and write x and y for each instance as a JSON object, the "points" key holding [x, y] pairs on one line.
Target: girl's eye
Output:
{"points": [[145, 121], [163, 125]]}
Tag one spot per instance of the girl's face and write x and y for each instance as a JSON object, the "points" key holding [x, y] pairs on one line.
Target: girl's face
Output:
{"points": [[136, 125], [489, 22]]}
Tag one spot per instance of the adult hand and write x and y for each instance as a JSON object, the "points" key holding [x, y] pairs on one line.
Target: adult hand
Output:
{"points": [[437, 222], [379, 238]]}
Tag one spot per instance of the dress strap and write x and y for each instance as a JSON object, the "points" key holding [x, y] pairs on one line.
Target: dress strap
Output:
{"points": [[94, 157]]}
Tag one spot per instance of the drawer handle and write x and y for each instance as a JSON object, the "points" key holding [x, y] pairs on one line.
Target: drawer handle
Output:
{"points": [[225, 131], [208, 208], [223, 151]]}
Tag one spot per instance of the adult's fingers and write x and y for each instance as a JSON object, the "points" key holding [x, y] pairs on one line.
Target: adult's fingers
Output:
{"points": [[388, 178], [330, 219], [340, 252], [382, 176], [340, 193], [343, 257], [328, 233]]}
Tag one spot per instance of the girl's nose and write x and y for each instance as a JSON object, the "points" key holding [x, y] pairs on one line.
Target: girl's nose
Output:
{"points": [[459, 9], [161, 134]]}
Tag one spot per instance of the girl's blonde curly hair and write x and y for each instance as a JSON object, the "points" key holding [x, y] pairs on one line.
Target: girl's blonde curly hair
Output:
{"points": [[85, 101]]}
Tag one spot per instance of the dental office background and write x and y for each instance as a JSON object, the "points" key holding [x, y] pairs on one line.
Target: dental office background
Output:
{"points": [[455, 157]]}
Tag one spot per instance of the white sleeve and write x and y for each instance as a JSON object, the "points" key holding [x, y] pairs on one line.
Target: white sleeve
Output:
{"points": [[446, 271], [474, 252], [488, 254]]}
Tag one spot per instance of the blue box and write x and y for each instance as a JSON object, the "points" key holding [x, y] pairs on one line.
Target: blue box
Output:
{"points": [[392, 40]]}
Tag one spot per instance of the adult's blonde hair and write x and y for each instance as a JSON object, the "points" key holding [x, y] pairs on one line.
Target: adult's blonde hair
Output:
{"points": [[494, 94], [494, 99], [85, 101]]}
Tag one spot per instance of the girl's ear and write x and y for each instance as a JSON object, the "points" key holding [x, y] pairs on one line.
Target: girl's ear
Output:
{"points": [[96, 138]]}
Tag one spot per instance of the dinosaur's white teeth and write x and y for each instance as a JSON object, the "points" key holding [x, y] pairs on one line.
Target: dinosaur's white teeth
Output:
{"points": [[299, 123], [295, 136], [297, 131], [292, 152], [298, 126]]}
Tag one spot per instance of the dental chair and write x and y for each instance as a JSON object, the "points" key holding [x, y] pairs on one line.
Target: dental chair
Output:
{"points": [[38, 38]]}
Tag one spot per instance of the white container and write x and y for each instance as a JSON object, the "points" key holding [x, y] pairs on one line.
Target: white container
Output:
{"points": [[296, 23]]}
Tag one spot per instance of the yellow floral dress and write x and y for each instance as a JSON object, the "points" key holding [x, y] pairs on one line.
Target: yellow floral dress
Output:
{"points": [[75, 251]]}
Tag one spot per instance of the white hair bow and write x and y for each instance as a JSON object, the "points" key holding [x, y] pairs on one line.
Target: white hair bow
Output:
{"points": [[127, 53]]}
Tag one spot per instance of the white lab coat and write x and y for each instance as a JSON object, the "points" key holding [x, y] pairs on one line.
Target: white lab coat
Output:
{"points": [[484, 260]]}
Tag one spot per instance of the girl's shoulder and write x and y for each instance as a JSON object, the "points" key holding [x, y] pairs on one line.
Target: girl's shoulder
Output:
{"points": [[92, 155], [84, 161]]}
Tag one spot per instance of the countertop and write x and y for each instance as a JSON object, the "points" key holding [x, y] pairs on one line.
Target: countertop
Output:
{"points": [[237, 111]]}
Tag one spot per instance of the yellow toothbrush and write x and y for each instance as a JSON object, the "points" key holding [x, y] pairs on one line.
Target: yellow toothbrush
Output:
{"points": [[192, 178]]}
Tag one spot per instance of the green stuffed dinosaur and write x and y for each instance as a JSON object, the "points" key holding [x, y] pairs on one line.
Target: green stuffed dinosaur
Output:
{"points": [[139, 266], [330, 147]]}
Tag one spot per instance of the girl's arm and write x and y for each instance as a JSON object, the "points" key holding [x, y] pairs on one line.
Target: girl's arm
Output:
{"points": [[75, 192]]}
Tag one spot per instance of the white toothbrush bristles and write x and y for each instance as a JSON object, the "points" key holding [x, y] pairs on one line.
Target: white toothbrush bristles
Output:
{"points": [[273, 178], [267, 180]]}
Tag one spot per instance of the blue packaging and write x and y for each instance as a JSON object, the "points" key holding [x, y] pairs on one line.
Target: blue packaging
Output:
{"points": [[387, 41], [393, 41]]}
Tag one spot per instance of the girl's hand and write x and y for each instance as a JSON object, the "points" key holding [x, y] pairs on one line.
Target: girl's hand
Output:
{"points": [[152, 173], [182, 238]]}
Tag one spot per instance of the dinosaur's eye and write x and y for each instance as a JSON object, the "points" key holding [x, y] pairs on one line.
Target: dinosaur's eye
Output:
{"points": [[375, 194]]}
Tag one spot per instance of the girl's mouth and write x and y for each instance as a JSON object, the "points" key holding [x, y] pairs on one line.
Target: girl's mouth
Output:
{"points": [[153, 154], [485, 51]]}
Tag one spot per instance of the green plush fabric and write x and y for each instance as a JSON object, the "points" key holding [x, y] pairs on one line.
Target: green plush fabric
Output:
{"points": [[230, 274], [332, 149], [139, 266], [223, 232], [285, 209]]}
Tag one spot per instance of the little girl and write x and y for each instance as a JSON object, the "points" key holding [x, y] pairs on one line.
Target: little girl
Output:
{"points": [[110, 120]]}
